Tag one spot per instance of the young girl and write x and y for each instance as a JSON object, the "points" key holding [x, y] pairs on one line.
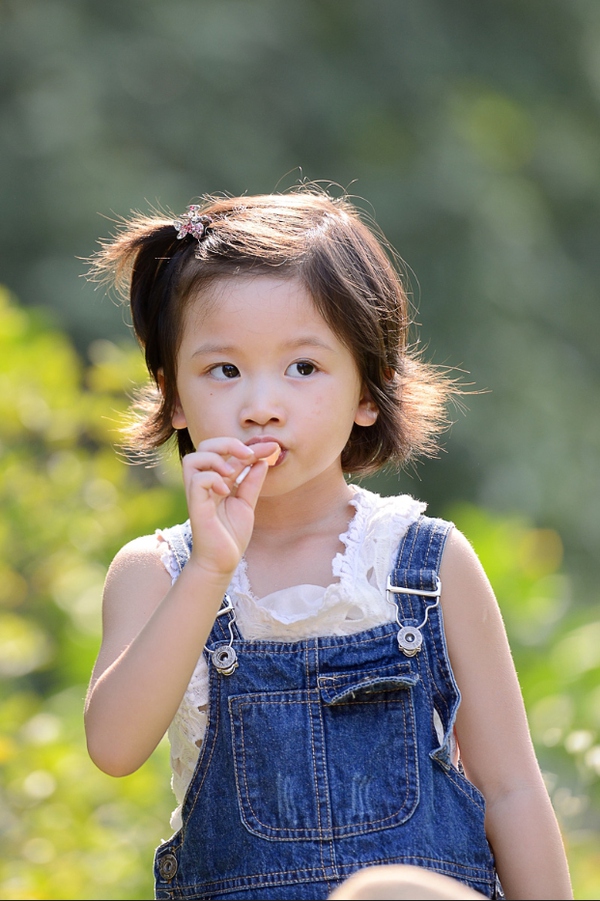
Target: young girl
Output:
{"points": [[324, 716]]}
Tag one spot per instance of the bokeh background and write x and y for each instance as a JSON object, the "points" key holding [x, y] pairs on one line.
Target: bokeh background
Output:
{"points": [[470, 129]]}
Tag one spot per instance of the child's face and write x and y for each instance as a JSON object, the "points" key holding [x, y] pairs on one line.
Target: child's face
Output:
{"points": [[258, 360]]}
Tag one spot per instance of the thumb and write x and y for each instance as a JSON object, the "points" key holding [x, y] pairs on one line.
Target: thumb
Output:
{"points": [[250, 486]]}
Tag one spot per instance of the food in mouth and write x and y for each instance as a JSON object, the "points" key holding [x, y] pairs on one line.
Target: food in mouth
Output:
{"points": [[274, 457], [271, 460]]}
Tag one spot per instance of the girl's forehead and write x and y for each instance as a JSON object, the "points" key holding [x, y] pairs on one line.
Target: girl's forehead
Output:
{"points": [[259, 314], [248, 296]]}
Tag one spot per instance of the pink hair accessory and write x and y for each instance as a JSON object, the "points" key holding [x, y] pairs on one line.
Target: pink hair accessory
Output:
{"points": [[192, 223]]}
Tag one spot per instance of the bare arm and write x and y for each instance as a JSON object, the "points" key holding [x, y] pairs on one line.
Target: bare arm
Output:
{"points": [[493, 734], [153, 634]]}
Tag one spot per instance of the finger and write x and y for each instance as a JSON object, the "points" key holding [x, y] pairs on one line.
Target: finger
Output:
{"points": [[264, 450], [205, 482], [238, 468], [202, 461], [226, 447], [230, 457], [249, 488]]}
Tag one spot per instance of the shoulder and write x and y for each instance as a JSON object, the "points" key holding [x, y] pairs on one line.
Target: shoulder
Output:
{"points": [[473, 621], [140, 552], [137, 569], [135, 585], [461, 570]]}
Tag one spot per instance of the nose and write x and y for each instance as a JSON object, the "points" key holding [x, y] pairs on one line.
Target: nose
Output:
{"points": [[262, 404]]}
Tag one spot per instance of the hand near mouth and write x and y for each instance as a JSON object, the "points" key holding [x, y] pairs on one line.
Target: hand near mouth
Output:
{"points": [[271, 460], [223, 479]]}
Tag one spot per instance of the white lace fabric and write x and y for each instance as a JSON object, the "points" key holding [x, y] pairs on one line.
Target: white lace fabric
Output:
{"points": [[354, 601]]}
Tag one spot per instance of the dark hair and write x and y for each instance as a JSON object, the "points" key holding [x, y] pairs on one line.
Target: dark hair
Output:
{"points": [[352, 274]]}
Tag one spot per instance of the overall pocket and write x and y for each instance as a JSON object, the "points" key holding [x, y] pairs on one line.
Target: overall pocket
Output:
{"points": [[336, 761]]}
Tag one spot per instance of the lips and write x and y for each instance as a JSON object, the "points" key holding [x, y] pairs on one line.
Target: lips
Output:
{"points": [[264, 439]]}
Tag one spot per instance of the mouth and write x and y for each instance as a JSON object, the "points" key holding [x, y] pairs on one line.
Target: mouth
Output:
{"points": [[268, 439]]}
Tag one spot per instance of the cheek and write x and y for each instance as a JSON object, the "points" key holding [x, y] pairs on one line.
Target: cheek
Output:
{"points": [[211, 414]]}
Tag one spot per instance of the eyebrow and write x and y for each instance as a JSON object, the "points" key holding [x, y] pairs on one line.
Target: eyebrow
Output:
{"points": [[210, 347], [308, 341]]}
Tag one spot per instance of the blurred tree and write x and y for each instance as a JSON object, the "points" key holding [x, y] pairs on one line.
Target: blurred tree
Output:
{"points": [[67, 503], [471, 128]]}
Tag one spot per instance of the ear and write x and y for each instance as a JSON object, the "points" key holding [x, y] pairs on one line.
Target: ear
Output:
{"points": [[178, 420], [366, 412]]}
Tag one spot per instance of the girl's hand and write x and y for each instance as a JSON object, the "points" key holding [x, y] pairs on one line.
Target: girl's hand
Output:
{"points": [[221, 511]]}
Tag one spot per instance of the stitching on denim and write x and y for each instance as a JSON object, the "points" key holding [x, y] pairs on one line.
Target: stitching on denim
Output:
{"points": [[303, 875], [268, 648], [433, 558], [410, 603], [449, 865], [244, 775], [238, 787], [249, 881], [405, 707], [325, 784], [399, 669], [403, 673], [314, 764], [447, 692], [461, 782], [312, 738], [436, 532], [341, 829], [212, 734], [245, 795]]}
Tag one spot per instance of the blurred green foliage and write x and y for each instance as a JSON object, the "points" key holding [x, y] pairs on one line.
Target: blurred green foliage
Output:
{"points": [[470, 127], [67, 503]]}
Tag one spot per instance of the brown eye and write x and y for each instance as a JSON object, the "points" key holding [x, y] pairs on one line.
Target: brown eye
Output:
{"points": [[225, 371], [301, 368]]}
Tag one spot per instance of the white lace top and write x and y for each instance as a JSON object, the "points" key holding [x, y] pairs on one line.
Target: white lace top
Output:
{"points": [[355, 600]]}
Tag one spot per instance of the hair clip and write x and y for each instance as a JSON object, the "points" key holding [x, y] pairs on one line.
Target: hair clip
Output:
{"points": [[192, 223]]}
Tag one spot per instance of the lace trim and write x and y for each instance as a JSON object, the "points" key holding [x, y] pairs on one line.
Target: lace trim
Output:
{"points": [[341, 565], [166, 555]]}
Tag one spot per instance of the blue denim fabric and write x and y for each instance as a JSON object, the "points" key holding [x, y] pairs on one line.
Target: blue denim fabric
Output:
{"points": [[321, 757]]}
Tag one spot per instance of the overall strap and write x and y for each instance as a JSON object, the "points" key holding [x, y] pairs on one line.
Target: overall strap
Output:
{"points": [[416, 588], [419, 558]]}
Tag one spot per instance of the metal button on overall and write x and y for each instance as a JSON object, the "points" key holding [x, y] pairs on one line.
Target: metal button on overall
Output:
{"points": [[167, 866]]}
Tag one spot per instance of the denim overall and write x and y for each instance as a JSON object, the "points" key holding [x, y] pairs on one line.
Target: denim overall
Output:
{"points": [[321, 756]]}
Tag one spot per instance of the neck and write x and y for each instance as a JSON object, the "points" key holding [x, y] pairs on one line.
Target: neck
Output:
{"points": [[311, 507]]}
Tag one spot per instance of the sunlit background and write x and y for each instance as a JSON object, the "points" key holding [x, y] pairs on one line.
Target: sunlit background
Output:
{"points": [[470, 129]]}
